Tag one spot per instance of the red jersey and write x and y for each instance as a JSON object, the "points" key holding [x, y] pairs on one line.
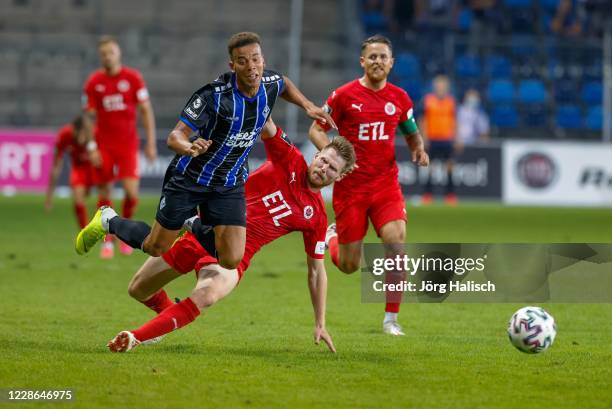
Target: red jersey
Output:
{"points": [[66, 142], [279, 202], [368, 119], [115, 98]]}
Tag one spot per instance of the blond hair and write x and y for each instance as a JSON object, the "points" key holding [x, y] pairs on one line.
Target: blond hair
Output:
{"points": [[346, 151]]}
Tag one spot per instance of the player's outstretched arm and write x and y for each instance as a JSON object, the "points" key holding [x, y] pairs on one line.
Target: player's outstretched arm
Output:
{"points": [[178, 141], [318, 135], [148, 122], [292, 94], [317, 284], [53, 177], [269, 129]]}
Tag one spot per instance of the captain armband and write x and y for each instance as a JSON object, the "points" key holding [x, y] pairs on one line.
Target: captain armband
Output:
{"points": [[409, 126]]}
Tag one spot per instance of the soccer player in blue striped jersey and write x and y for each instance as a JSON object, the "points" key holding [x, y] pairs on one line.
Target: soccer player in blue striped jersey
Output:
{"points": [[213, 137]]}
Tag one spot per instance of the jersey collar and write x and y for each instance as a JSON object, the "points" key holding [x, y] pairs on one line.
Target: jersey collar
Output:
{"points": [[236, 90]]}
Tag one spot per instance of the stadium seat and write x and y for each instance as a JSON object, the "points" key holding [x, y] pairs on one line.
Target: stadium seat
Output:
{"points": [[531, 92], [464, 21], [565, 91], [568, 117], [413, 87], [407, 65], [534, 116], [498, 67], [467, 66], [592, 93], [504, 116], [594, 118], [517, 3], [500, 91], [550, 6]]}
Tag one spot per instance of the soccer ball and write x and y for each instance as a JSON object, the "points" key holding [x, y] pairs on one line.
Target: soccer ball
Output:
{"points": [[532, 330]]}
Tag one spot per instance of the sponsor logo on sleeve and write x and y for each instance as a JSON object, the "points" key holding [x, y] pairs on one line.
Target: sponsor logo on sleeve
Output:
{"points": [[195, 107], [320, 248]]}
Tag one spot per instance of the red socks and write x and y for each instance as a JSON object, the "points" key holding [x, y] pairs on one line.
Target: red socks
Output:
{"points": [[173, 317], [334, 250], [81, 214], [129, 205], [159, 301]]}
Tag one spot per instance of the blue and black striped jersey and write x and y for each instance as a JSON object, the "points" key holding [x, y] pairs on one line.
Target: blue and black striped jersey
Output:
{"points": [[220, 112]]}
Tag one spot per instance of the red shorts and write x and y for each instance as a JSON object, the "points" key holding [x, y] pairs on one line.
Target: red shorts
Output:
{"points": [[83, 175], [352, 212], [187, 254], [118, 164]]}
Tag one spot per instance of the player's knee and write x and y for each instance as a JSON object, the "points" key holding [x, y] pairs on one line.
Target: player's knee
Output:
{"points": [[205, 297], [156, 249], [230, 260], [349, 266], [135, 290]]}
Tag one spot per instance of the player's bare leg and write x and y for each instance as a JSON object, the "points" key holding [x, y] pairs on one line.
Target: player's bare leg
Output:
{"points": [[159, 240], [107, 250], [230, 242], [393, 235], [79, 198], [214, 283], [150, 279], [130, 187]]}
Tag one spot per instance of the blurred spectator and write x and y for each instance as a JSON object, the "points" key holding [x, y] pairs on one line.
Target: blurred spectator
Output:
{"points": [[483, 24], [440, 14], [569, 19], [400, 14], [472, 121], [438, 126], [373, 18]]}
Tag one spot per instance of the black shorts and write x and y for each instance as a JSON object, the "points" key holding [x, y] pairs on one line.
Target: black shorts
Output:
{"points": [[443, 150], [181, 197]]}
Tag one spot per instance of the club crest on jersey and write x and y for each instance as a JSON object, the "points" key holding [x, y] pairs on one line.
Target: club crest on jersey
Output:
{"points": [[195, 107], [389, 108], [123, 86], [308, 212], [100, 88]]}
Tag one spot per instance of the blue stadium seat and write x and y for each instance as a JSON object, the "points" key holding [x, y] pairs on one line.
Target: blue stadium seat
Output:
{"points": [[413, 87], [592, 93], [500, 91], [518, 3], [566, 91], [467, 66], [534, 116], [464, 21], [531, 92], [568, 117], [594, 118], [550, 6], [504, 116], [407, 65], [498, 66]]}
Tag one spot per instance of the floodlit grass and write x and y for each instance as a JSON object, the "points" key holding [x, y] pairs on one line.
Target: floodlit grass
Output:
{"points": [[255, 350]]}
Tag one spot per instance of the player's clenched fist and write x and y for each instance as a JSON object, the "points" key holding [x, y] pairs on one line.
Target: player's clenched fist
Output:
{"points": [[198, 147]]}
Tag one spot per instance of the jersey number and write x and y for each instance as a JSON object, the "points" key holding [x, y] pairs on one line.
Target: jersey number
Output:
{"points": [[277, 200], [372, 132]]}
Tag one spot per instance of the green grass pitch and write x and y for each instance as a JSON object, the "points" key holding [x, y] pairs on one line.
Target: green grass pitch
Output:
{"points": [[255, 350]]}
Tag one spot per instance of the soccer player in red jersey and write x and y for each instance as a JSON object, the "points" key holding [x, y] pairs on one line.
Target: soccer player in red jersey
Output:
{"points": [[73, 139], [368, 111], [283, 196], [112, 96]]}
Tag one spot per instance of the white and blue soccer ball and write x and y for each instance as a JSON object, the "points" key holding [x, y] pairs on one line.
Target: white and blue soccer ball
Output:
{"points": [[532, 330]]}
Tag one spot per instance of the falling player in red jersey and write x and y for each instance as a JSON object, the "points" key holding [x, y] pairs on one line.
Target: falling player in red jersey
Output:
{"points": [[367, 111], [112, 96], [283, 196], [73, 139]]}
